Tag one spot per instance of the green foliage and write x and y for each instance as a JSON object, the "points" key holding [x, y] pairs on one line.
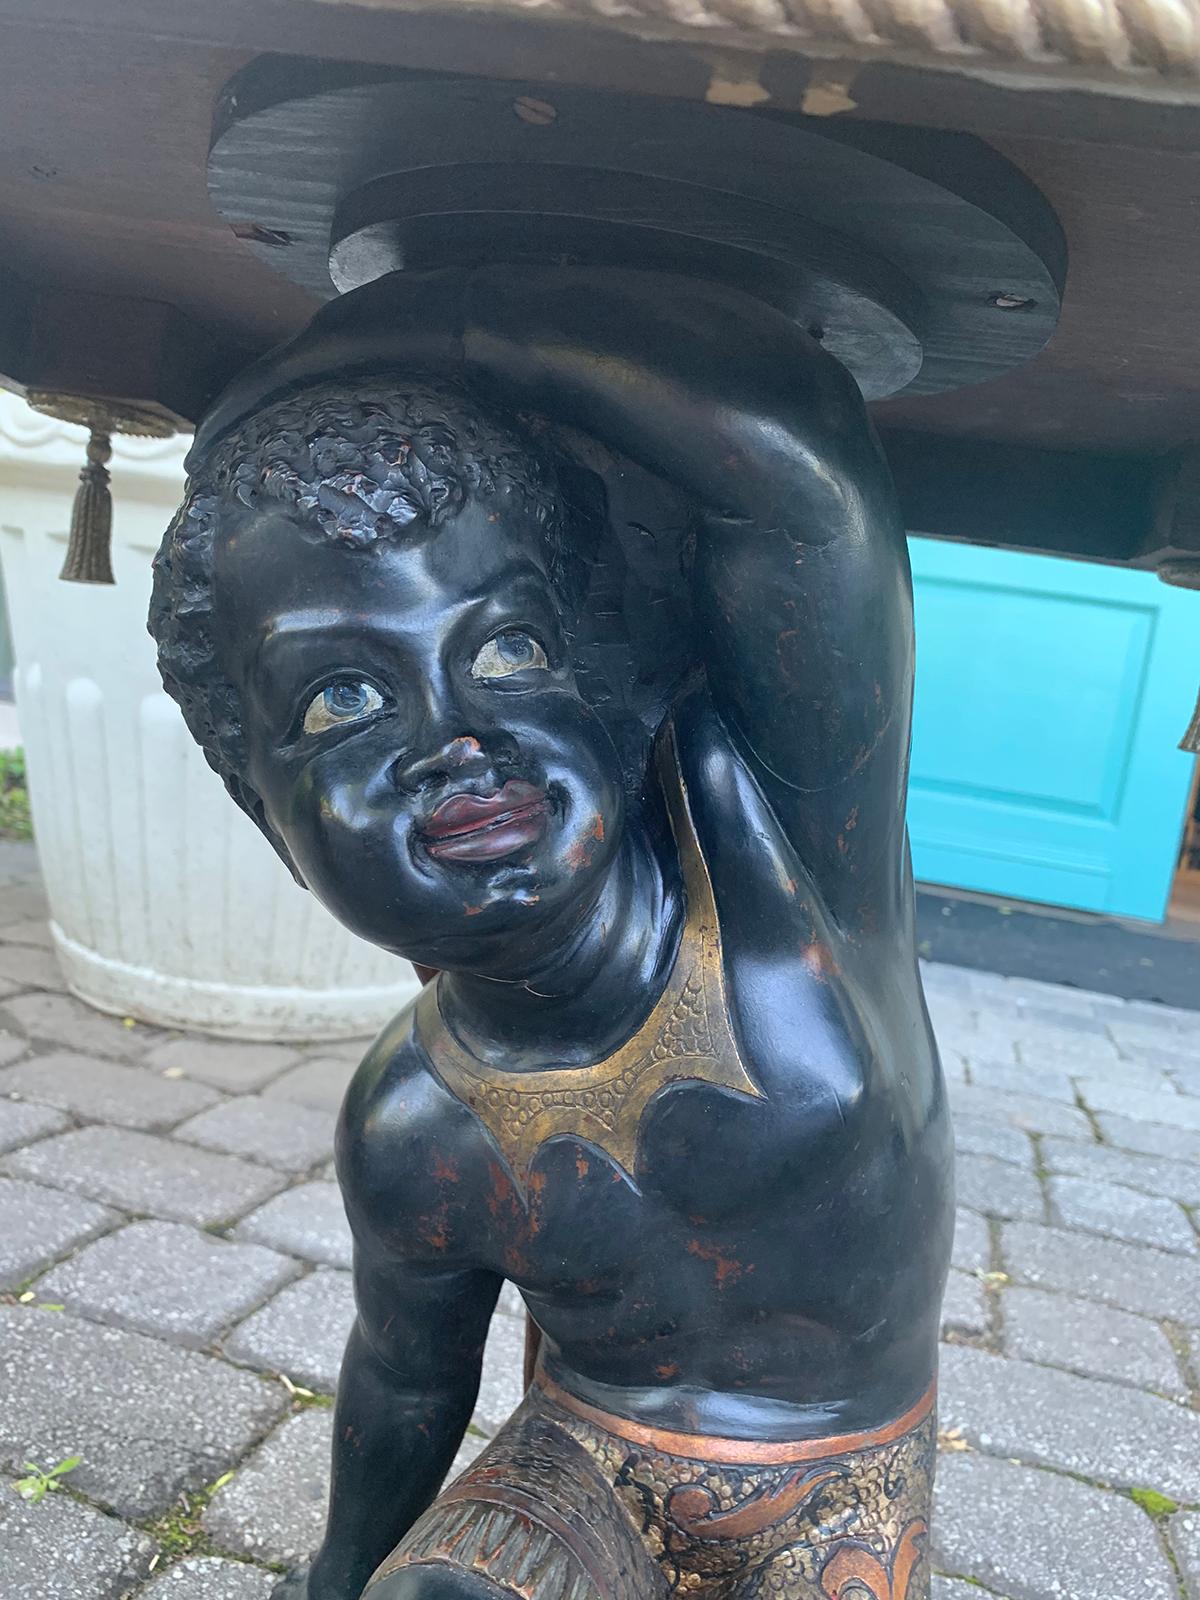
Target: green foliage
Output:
{"points": [[15, 822], [180, 1531], [304, 1398], [39, 1479], [1158, 1505]]}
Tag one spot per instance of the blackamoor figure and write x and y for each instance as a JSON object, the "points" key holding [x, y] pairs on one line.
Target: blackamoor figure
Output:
{"points": [[675, 1079]]}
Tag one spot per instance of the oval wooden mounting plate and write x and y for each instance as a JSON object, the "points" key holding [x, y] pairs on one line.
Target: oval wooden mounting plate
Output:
{"points": [[926, 260]]}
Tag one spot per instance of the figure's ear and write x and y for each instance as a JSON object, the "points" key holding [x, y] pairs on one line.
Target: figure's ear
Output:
{"points": [[250, 802]]}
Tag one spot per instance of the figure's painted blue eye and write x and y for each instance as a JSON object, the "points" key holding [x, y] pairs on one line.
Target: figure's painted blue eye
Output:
{"points": [[514, 650], [339, 703]]}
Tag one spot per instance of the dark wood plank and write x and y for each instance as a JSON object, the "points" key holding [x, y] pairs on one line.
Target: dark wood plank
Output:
{"points": [[105, 115], [105, 347], [1115, 508], [1123, 369]]}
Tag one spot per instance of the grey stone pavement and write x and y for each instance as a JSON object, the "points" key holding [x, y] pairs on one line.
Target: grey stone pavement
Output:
{"points": [[174, 1294]]}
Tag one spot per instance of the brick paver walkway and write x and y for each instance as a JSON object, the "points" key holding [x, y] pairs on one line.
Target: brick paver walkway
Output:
{"points": [[175, 1295]]}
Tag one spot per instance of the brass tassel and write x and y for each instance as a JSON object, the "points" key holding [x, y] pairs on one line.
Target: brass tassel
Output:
{"points": [[89, 552], [1183, 572], [1191, 739], [89, 549]]}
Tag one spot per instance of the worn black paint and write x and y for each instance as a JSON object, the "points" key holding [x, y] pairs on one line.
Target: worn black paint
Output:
{"points": [[774, 1268]]}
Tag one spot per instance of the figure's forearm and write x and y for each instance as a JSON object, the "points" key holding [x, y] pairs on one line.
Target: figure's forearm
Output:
{"points": [[725, 396], [392, 1447]]}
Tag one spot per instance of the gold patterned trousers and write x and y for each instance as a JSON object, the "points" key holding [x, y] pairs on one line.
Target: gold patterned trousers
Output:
{"points": [[572, 1503]]}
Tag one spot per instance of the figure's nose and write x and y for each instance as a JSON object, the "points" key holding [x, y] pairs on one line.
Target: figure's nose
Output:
{"points": [[463, 756]]}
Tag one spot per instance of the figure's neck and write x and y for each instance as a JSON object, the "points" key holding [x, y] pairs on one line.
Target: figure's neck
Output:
{"points": [[587, 993]]}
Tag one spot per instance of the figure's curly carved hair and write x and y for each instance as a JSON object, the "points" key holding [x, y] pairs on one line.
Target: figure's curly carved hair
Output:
{"points": [[383, 461]]}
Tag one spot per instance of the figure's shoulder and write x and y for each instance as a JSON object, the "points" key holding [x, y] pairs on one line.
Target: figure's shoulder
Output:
{"points": [[392, 1058], [768, 901], [393, 1099], [692, 723], [746, 847], [718, 775], [411, 1157]]}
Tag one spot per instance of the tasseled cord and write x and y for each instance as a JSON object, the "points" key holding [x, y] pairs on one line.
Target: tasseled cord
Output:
{"points": [[1191, 739], [89, 551], [1184, 573]]}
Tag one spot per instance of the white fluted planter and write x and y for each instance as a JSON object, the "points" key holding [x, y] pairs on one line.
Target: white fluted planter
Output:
{"points": [[166, 902]]}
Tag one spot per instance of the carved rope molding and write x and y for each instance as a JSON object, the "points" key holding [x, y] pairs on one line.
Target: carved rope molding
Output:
{"points": [[1147, 48]]}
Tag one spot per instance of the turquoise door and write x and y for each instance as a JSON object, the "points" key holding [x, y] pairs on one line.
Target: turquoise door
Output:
{"points": [[1051, 697]]}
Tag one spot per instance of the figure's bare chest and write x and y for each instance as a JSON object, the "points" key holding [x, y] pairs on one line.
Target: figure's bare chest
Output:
{"points": [[579, 1197], [695, 1117], [687, 1040]]}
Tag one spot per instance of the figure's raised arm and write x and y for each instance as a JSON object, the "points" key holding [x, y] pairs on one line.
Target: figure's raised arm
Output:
{"points": [[802, 587]]}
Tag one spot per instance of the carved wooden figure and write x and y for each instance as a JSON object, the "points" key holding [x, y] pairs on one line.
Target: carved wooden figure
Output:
{"points": [[675, 1079], [546, 603]]}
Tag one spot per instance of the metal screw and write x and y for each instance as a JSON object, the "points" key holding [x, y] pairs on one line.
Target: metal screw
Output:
{"points": [[1011, 302], [537, 112]]}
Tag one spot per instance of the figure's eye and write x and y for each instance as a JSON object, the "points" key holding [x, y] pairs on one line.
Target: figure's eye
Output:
{"points": [[338, 703], [509, 652]]}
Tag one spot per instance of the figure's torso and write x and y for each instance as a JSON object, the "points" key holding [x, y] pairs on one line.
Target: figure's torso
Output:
{"points": [[758, 1208]]}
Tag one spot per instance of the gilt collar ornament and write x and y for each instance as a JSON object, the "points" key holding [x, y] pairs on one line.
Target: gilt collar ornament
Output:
{"points": [[687, 1038]]}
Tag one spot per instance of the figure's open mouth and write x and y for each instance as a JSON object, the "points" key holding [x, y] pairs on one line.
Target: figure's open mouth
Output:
{"points": [[475, 827]]}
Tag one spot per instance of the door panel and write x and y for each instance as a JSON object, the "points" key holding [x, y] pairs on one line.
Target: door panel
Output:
{"points": [[1051, 696]]}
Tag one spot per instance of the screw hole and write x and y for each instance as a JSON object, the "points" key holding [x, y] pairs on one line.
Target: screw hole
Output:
{"points": [[257, 234]]}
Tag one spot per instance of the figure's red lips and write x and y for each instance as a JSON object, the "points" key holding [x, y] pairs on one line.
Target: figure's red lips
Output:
{"points": [[475, 827]]}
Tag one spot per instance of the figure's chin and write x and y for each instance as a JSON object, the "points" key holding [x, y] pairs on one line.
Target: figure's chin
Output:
{"points": [[492, 915], [513, 897]]}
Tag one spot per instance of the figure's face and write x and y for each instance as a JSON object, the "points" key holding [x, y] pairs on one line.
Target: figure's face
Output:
{"points": [[415, 733]]}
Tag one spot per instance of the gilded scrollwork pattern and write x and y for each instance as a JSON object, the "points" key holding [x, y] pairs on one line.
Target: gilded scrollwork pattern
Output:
{"points": [[847, 1525], [633, 1521]]}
